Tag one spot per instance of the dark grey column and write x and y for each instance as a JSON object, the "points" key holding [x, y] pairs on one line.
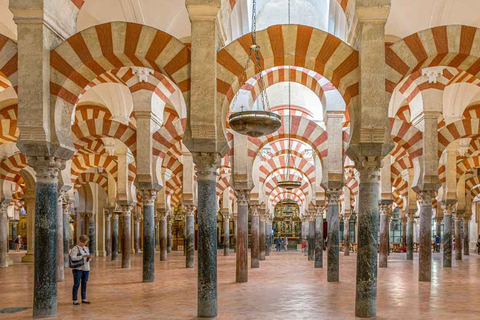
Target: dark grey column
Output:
{"points": [[127, 236], [311, 238], [242, 235], [108, 231], [333, 235], [234, 233], [115, 246], [190, 236], [319, 243], [207, 165], [366, 282], [305, 235], [261, 235], [447, 238], [346, 235], [3, 234], [148, 197], [91, 233], [163, 234], [169, 233], [404, 231], [46, 198], [66, 232], [458, 236], [255, 252], [425, 252], [226, 240], [14, 230], [438, 226], [466, 236], [410, 236], [136, 232], [268, 236], [60, 275], [385, 210]]}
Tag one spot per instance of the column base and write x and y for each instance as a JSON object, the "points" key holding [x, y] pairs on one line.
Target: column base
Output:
{"points": [[9, 260], [28, 257]]}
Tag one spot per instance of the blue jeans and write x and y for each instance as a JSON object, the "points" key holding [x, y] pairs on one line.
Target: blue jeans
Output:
{"points": [[79, 276]]}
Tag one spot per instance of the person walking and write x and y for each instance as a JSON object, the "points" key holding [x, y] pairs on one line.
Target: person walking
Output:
{"points": [[80, 270], [285, 243], [437, 243], [278, 246], [478, 245], [18, 243]]}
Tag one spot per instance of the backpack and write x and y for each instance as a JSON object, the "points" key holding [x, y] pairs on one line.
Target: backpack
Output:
{"points": [[75, 264]]}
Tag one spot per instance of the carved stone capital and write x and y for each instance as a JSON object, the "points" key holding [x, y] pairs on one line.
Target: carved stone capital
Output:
{"points": [[319, 210], [426, 197], [162, 214], [46, 168], [243, 196], [126, 209], [448, 207], [334, 196], [385, 209], [369, 168], [148, 196], [207, 165], [189, 210], [254, 210]]}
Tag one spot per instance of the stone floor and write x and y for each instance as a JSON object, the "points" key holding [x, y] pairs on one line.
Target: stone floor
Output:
{"points": [[286, 286]]}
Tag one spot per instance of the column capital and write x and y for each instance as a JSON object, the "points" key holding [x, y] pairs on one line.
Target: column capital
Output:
{"points": [[334, 196], [126, 209], [162, 214], [448, 207], [254, 209], [369, 168], [243, 197], [148, 196], [319, 210], [137, 216], [189, 210], [207, 165], [90, 215], [385, 207], [426, 197], [46, 168]]}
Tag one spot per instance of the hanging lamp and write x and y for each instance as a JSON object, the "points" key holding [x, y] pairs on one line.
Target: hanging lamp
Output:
{"points": [[255, 123]]}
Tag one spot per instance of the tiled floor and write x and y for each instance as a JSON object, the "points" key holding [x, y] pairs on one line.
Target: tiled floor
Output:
{"points": [[286, 286]]}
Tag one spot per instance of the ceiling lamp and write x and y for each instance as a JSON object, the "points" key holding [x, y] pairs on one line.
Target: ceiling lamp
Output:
{"points": [[255, 123], [289, 184]]}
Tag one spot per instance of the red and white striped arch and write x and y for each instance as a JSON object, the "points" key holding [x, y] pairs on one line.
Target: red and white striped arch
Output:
{"points": [[88, 111], [267, 168], [278, 195], [8, 63], [465, 128], [271, 183], [297, 146], [295, 45], [84, 162], [9, 111], [302, 129], [407, 136], [467, 164], [92, 177], [11, 166]]}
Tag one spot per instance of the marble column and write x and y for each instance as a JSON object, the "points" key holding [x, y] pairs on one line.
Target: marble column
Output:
{"points": [[92, 245], [409, 232], [169, 233], [148, 197], [108, 232], [404, 231], [447, 233], [29, 206], [115, 240], [458, 236], [268, 236], [425, 252], [466, 236], [46, 194], [438, 226], [385, 210], [207, 165], [59, 274], [66, 232], [136, 231], [319, 243], [366, 281], [311, 237], [190, 236], [346, 235], [234, 233], [226, 238], [14, 230], [126, 235], [261, 235], [242, 235], [305, 234], [333, 255], [162, 216], [254, 245], [3, 233]]}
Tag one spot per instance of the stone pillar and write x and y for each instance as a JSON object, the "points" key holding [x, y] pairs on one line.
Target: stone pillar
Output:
{"points": [[190, 236], [108, 232], [242, 235], [438, 226], [466, 236], [425, 252], [311, 237], [162, 218], [255, 252], [385, 210], [448, 208], [46, 194], [91, 233], [115, 236], [148, 197], [3, 233], [126, 235], [14, 234], [346, 234], [29, 206], [458, 236], [261, 241], [235, 233], [319, 243], [404, 230], [226, 238], [410, 236], [207, 165], [333, 235], [169, 233], [137, 231], [268, 235], [366, 284], [305, 234], [66, 232], [59, 260]]}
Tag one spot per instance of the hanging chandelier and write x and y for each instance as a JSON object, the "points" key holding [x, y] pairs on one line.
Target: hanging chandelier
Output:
{"points": [[255, 123]]}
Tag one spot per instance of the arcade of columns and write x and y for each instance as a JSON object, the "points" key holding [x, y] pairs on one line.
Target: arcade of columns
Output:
{"points": [[121, 180]]}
